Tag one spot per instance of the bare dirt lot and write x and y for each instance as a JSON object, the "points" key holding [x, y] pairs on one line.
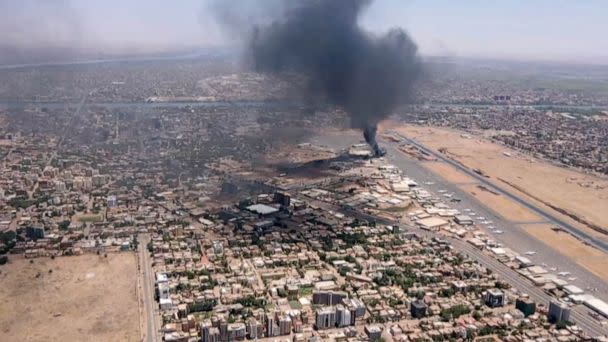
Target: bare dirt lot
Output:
{"points": [[84, 298], [503, 206], [447, 172]]}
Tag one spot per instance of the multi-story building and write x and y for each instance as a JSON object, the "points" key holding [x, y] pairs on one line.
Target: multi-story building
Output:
{"points": [[285, 325], [526, 306], [343, 316], [326, 318], [236, 331], [558, 312], [418, 309], [494, 298]]}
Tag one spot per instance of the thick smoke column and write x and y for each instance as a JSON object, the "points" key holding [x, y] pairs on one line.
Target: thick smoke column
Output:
{"points": [[365, 75], [369, 133]]}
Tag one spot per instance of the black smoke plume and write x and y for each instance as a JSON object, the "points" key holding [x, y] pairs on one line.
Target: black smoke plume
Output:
{"points": [[366, 75]]}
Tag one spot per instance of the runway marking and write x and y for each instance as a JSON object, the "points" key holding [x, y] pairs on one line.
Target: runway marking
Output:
{"points": [[519, 223]]}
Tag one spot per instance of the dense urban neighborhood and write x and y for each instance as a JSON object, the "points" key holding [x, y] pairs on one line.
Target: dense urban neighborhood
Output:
{"points": [[189, 200]]}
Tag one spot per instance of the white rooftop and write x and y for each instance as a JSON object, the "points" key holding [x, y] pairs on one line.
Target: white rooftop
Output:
{"points": [[262, 209]]}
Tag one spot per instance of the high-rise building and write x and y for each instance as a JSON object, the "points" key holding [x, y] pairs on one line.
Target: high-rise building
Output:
{"points": [[343, 316], [328, 297], [223, 327], [252, 328], [214, 335], [418, 309], [205, 330], [209, 333], [558, 312], [356, 307], [282, 198], [374, 332], [272, 328], [326, 318], [236, 331], [111, 201], [34, 232], [218, 248], [285, 325], [494, 298], [526, 306]]}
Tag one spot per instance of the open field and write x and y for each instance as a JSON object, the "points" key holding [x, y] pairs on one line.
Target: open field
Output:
{"points": [[85, 298], [503, 206], [447, 172], [84, 218], [580, 194], [589, 257]]}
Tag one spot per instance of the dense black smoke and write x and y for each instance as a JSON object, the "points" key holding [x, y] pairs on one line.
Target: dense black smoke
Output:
{"points": [[365, 75]]}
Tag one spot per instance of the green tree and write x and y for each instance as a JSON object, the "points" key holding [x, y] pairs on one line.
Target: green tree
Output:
{"points": [[63, 225]]}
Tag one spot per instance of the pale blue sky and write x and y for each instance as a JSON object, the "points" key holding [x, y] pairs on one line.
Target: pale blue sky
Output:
{"points": [[572, 30]]}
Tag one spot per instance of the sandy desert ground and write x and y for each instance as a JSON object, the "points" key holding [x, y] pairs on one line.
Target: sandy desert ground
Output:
{"points": [[85, 298], [449, 173], [507, 208]]}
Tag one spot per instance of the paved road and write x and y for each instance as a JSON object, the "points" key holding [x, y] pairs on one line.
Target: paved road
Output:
{"points": [[600, 244], [147, 280]]}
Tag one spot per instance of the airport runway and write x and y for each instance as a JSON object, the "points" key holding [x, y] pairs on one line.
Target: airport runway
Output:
{"points": [[600, 244], [513, 236]]}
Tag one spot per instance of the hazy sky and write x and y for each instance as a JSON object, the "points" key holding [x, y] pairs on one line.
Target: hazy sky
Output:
{"points": [[524, 29]]}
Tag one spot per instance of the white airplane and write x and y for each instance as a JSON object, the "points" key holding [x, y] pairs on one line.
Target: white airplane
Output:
{"points": [[530, 253], [482, 218], [429, 183], [553, 269], [572, 278], [441, 191], [498, 231], [467, 209], [564, 274]]}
